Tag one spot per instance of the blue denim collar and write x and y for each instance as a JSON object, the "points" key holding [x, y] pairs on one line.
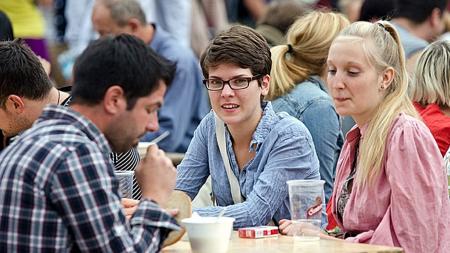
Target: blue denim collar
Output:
{"points": [[264, 127]]}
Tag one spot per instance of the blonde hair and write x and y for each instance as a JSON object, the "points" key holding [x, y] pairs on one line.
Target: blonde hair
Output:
{"points": [[310, 38], [382, 47], [431, 82]]}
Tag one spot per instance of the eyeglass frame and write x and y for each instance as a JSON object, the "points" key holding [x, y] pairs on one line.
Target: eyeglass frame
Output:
{"points": [[249, 79]]}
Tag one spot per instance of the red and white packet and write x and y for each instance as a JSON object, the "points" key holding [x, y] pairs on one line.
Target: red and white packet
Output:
{"points": [[258, 232]]}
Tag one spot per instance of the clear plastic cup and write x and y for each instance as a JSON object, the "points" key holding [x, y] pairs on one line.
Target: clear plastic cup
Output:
{"points": [[125, 183], [306, 200]]}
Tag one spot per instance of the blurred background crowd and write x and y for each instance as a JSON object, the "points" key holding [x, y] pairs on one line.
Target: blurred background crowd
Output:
{"points": [[59, 30]]}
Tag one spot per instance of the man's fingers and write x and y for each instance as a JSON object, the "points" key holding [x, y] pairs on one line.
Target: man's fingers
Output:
{"points": [[126, 202], [152, 148], [129, 211], [173, 212]]}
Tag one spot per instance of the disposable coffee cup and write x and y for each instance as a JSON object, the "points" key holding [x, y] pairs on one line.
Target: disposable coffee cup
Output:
{"points": [[209, 234], [125, 183], [306, 200]]}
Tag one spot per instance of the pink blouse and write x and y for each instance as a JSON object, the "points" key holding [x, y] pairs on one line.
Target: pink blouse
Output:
{"points": [[408, 206]]}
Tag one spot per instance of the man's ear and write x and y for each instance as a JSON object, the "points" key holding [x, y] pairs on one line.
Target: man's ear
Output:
{"points": [[15, 104], [114, 100], [133, 25], [436, 18]]}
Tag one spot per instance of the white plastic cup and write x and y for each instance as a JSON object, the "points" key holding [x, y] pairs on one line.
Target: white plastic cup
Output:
{"points": [[306, 202], [209, 234], [125, 183]]}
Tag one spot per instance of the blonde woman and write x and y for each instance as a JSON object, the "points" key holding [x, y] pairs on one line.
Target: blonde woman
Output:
{"points": [[390, 187], [431, 92], [298, 87]]}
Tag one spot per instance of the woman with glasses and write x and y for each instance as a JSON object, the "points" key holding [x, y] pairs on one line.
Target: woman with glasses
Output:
{"points": [[263, 149]]}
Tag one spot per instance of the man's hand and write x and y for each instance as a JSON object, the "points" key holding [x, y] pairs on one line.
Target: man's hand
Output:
{"points": [[173, 212], [156, 175], [129, 206]]}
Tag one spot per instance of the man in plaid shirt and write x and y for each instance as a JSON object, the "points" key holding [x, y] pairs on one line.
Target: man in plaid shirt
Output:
{"points": [[58, 192]]}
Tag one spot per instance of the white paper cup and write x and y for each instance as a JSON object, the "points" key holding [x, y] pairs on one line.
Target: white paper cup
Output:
{"points": [[209, 234], [142, 148]]}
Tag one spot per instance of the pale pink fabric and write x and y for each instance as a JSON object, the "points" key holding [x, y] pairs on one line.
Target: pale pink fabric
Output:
{"points": [[408, 206]]}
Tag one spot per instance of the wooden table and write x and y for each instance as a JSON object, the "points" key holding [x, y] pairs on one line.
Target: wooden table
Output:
{"points": [[283, 244]]}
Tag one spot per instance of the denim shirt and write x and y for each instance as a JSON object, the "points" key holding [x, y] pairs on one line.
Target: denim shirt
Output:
{"points": [[284, 151], [310, 103]]}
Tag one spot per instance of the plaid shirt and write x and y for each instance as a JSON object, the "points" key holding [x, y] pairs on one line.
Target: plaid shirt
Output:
{"points": [[58, 193]]}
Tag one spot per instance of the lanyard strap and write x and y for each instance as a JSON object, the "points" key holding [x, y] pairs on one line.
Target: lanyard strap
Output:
{"points": [[234, 184]]}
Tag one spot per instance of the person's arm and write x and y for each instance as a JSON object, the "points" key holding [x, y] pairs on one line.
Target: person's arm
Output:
{"points": [[175, 18], [419, 202], [181, 102], [85, 194], [291, 157], [193, 170], [323, 123]]}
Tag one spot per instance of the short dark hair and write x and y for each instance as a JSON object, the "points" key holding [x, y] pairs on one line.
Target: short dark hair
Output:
{"points": [[239, 45], [123, 60], [373, 10], [21, 72], [417, 11]]}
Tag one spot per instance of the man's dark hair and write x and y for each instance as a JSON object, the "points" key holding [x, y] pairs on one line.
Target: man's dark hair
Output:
{"points": [[21, 73], [123, 60], [417, 10], [373, 10], [240, 45]]}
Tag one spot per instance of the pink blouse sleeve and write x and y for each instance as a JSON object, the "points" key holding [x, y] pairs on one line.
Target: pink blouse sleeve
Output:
{"points": [[415, 173]]}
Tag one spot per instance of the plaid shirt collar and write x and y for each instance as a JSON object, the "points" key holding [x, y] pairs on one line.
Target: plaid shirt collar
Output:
{"points": [[54, 112]]}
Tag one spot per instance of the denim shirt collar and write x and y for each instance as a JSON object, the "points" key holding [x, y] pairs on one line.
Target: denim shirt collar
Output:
{"points": [[264, 127], [319, 82], [159, 37]]}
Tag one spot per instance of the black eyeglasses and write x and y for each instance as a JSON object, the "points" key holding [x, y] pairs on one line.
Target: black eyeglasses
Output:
{"points": [[237, 83]]}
